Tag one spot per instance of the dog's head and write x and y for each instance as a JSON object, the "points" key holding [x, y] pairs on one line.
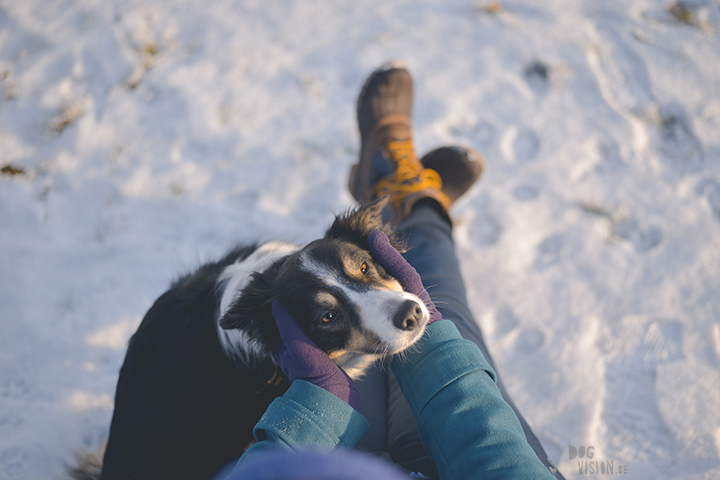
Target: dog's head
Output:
{"points": [[341, 297]]}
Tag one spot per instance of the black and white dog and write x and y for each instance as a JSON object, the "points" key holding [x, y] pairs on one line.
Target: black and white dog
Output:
{"points": [[198, 374]]}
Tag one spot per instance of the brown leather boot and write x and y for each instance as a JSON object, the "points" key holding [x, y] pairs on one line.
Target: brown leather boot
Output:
{"points": [[459, 169], [388, 165]]}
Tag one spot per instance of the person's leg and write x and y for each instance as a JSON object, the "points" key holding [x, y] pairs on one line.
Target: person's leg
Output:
{"points": [[432, 253], [373, 390], [459, 169], [387, 167], [420, 194]]}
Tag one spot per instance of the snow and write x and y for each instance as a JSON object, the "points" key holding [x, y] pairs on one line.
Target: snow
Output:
{"points": [[153, 135]]}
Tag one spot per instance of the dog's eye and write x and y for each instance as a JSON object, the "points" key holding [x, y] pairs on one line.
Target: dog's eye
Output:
{"points": [[328, 317], [364, 268]]}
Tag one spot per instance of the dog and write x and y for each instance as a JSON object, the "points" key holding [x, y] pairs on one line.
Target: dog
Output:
{"points": [[199, 371]]}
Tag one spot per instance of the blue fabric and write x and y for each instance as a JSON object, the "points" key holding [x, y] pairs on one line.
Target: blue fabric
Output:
{"points": [[463, 421], [314, 465], [432, 253], [306, 416]]}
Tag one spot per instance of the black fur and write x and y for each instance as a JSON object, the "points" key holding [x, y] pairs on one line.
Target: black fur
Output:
{"points": [[183, 409]]}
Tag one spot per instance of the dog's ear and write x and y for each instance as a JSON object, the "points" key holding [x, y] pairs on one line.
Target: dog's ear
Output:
{"points": [[358, 223], [251, 312]]}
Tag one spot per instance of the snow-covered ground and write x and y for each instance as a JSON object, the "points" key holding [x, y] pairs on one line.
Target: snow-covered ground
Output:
{"points": [[143, 137]]}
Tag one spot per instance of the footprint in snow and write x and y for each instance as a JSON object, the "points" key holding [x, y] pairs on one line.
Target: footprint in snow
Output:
{"points": [[485, 228], [525, 193], [625, 84], [621, 73], [643, 342], [528, 341], [15, 389], [481, 133], [14, 461], [609, 158], [643, 238], [520, 145], [710, 189], [678, 144], [635, 347], [548, 251], [11, 421], [501, 322], [537, 76]]}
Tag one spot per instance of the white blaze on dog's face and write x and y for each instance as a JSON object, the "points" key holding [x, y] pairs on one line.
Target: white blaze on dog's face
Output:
{"points": [[342, 299], [351, 304]]}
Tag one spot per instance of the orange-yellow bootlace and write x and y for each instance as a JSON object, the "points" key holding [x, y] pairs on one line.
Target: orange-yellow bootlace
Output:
{"points": [[409, 176]]}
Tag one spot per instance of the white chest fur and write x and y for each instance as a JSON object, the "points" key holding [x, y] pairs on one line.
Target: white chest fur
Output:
{"points": [[236, 344]]}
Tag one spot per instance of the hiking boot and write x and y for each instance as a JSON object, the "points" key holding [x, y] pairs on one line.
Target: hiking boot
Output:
{"points": [[388, 165], [458, 167]]}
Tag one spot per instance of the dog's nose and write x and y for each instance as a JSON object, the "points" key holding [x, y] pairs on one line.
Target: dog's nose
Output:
{"points": [[408, 316]]}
